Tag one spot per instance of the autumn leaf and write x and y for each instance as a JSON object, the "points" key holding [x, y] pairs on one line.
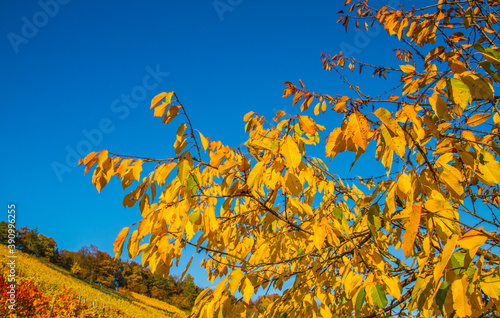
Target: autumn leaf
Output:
{"points": [[183, 170], [358, 128], [248, 290], [445, 257], [461, 301], [290, 150], [234, 282], [308, 125], [204, 141], [407, 68], [411, 229], [120, 240], [269, 211], [478, 119], [460, 92]]}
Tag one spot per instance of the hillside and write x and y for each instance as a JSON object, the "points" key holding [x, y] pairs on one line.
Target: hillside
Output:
{"points": [[42, 287]]}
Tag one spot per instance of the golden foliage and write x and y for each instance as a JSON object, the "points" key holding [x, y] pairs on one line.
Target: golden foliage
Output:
{"points": [[421, 239]]}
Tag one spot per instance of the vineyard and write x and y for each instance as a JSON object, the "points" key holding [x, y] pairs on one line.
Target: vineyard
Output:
{"points": [[44, 290]]}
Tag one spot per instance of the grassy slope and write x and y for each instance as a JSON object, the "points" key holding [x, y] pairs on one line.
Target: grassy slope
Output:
{"points": [[53, 280]]}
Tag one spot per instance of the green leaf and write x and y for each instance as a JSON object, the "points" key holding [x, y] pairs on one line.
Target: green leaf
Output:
{"points": [[441, 294], [459, 92], [194, 216], [379, 298], [489, 54], [373, 217], [298, 129], [248, 125], [493, 74], [300, 251], [361, 298], [192, 183], [283, 315], [457, 261], [338, 214]]}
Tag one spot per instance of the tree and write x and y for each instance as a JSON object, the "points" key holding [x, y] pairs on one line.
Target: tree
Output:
{"points": [[421, 239]]}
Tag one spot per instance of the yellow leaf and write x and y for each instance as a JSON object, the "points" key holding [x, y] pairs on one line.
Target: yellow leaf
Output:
{"points": [[404, 183], [172, 112], [358, 129], [228, 165], [293, 184], [452, 177], [489, 168], [248, 116], [319, 236], [436, 205], [179, 136], [496, 118], [296, 97], [118, 244], [473, 239], [247, 292], [399, 146], [136, 169], [490, 285], [440, 107], [220, 288], [317, 109], [290, 150], [256, 174], [445, 258], [411, 229], [477, 119], [183, 170], [158, 98], [385, 116], [460, 92], [163, 172], [103, 155], [407, 68], [187, 267], [461, 302], [305, 105], [123, 167], [479, 86], [87, 158], [133, 245], [235, 280], [216, 158], [393, 285]]}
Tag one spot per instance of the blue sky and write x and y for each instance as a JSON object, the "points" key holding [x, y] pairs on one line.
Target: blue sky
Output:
{"points": [[78, 76]]}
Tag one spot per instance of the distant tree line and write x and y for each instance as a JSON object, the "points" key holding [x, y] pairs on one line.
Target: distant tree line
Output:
{"points": [[95, 266]]}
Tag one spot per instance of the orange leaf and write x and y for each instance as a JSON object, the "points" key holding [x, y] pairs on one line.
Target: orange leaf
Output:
{"points": [[308, 125], [118, 244], [358, 129]]}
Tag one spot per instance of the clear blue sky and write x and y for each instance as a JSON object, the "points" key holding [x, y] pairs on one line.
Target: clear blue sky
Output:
{"points": [[73, 68]]}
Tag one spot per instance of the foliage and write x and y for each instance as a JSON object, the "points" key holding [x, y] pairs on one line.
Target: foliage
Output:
{"points": [[419, 240], [39, 286], [98, 267]]}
